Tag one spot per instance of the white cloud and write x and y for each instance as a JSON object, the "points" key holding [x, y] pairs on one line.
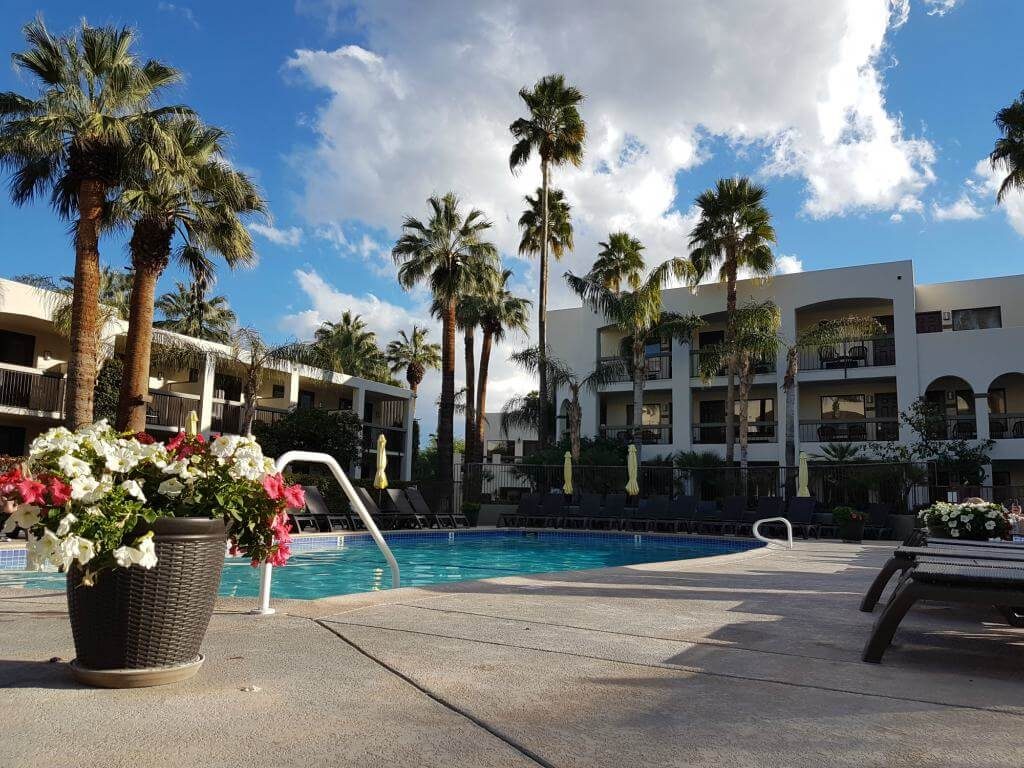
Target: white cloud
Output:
{"points": [[896, 218], [180, 10], [425, 106], [941, 7], [788, 265], [962, 209], [986, 182], [290, 237]]}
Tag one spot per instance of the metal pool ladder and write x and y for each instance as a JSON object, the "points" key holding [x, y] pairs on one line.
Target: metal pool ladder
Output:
{"points": [[264, 609], [774, 542]]}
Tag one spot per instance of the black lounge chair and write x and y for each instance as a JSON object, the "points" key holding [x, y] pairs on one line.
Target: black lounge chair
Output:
{"points": [[303, 523], [733, 510], [552, 508], [877, 524], [383, 520], [613, 513], [648, 511], [993, 582], [316, 506], [529, 505], [767, 506], [588, 510], [708, 519], [405, 509], [681, 512], [419, 504], [801, 516]]}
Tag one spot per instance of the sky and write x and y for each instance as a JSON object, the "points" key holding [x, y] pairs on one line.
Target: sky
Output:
{"points": [[869, 122]]}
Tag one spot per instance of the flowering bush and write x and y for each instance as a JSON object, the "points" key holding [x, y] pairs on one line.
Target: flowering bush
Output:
{"points": [[843, 515], [977, 520], [83, 495]]}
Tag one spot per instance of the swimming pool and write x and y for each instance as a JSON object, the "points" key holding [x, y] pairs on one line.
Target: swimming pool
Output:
{"points": [[325, 566]]}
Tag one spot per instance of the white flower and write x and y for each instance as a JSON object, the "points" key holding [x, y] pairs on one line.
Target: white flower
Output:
{"points": [[88, 490], [65, 524], [990, 525], [954, 532], [42, 554], [76, 548], [966, 518], [24, 516], [73, 467], [171, 487], [134, 489], [147, 552], [120, 458], [224, 446], [125, 556]]}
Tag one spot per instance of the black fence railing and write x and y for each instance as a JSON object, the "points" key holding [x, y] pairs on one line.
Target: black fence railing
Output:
{"points": [[858, 353], [652, 435], [269, 415], [759, 366], [656, 368], [852, 431], [395, 438], [226, 418], [33, 391], [1006, 426], [166, 410], [714, 432], [963, 427]]}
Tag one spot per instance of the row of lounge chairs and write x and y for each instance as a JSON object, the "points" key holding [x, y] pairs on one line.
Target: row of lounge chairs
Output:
{"points": [[405, 509], [682, 514], [945, 570]]}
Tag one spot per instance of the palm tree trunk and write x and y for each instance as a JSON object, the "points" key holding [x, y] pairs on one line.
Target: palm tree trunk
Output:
{"points": [[542, 317], [252, 386], [745, 380], [638, 399], [730, 388], [574, 418], [481, 393], [469, 337], [789, 386], [446, 410], [85, 314]]}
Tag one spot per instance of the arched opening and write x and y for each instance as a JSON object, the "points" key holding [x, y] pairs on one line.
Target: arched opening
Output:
{"points": [[952, 401], [870, 352], [1006, 406]]}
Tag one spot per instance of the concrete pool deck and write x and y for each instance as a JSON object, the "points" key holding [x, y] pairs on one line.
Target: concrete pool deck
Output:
{"points": [[739, 660]]}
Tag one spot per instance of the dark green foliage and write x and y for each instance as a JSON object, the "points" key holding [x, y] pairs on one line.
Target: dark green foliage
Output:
{"points": [[108, 384], [336, 433], [424, 465], [598, 452]]}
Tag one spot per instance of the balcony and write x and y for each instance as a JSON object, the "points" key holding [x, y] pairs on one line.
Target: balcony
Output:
{"points": [[269, 415], [169, 410], [31, 391], [1006, 426], [853, 431], [963, 427], [226, 418], [657, 368], [858, 353], [713, 433], [651, 435], [395, 437], [760, 366]]}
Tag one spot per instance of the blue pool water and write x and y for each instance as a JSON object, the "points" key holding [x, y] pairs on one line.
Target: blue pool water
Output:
{"points": [[320, 567]]}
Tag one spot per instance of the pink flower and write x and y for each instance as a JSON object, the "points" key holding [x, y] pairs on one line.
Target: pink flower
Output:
{"points": [[60, 492], [32, 492], [174, 442], [9, 482], [144, 438], [294, 496], [274, 486], [280, 555]]}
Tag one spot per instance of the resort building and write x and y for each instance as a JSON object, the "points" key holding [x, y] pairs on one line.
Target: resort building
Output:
{"points": [[958, 344], [33, 365], [503, 446]]}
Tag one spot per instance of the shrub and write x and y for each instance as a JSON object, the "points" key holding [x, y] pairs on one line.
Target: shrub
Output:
{"points": [[843, 515], [336, 433], [977, 521]]}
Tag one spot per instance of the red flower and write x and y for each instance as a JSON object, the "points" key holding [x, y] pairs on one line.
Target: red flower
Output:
{"points": [[294, 496], [32, 491], [144, 437], [174, 442], [9, 482], [274, 486], [60, 492]]}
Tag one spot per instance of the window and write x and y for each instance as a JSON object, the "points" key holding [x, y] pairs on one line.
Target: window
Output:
{"points": [[507, 449], [707, 338], [977, 318], [997, 402], [227, 387], [277, 391], [929, 322], [17, 348], [655, 414], [964, 402], [842, 407], [657, 347], [307, 399], [758, 409]]}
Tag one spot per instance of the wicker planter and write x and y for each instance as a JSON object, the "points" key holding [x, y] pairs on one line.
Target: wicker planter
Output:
{"points": [[939, 532], [852, 531], [140, 627]]}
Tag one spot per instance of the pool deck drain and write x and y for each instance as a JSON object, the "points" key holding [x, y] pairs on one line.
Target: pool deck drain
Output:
{"points": [[740, 660]]}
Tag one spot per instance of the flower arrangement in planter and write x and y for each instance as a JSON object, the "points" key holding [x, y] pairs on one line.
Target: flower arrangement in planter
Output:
{"points": [[973, 520], [850, 523], [140, 529]]}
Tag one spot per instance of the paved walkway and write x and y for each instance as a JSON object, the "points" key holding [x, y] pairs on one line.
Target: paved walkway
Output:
{"points": [[742, 660]]}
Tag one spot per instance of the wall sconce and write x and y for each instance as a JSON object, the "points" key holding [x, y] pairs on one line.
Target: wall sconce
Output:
{"points": [[47, 355], [947, 315], [870, 400], [950, 396]]}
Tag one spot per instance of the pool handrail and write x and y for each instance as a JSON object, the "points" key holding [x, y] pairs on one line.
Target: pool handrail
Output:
{"points": [[264, 609], [774, 542]]}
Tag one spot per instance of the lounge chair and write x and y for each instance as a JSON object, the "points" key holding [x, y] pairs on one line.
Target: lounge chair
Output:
{"points": [[383, 520], [998, 583], [681, 511], [877, 524], [552, 508], [405, 509], [528, 506], [317, 507], [708, 519], [734, 510], [767, 506], [800, 514], [419, 504], [577, 515], [303, 523], [648, 512], [612, 514]]}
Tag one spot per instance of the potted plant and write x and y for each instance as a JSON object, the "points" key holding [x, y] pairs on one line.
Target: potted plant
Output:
{"points": [[140, 529], [850, 523], [974, 520]]}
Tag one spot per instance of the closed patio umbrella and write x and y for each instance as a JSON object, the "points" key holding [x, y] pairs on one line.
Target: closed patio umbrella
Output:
{"points": [[567, 471], [802, 489], [380, 480], [632, 486]]}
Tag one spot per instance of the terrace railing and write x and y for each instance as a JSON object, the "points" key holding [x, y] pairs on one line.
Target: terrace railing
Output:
{"points": [[857, 353], [32, 391], [657, 367], [963, 427], [850, 431], [226, 418], [269, 415], [168, 410], [760, 366], [713, 432], [652, 435], [1005, 426]]}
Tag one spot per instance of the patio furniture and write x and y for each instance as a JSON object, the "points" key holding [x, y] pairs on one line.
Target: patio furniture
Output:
{"points": [[405, 509], [857, 432], [998, 583], [767, 506], [317, 507], [612, 514], [733, 509], [827, 357], [1018, 429], [857, 355], [681, 511], [303, 523], [384, 520], [529, 506], [997, 429], [800, 514], [551, 511], [650, 509], [588, 510], [708, 518], [878, 521], [826, 433], [437, 520]]}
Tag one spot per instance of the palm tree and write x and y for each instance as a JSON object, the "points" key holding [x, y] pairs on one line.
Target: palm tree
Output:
{"points": [[640, 316], [562, 375], [734, 232], [188, 311], [619, 260], [840, 453], [531, 223], [468, 314], [555, 130], [70, 140], [348, 346], [1008, 153], [415, 354], [182, 199], [521, 412], [448, 253]]}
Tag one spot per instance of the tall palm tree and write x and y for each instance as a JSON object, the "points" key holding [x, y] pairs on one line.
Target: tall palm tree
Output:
{"points": [[187, 310], [619, 260], [556, 132], [415, 354], [70, 139], [531, 224], [521, 412], [183, 200], [468, 313], [349, 346], [1008, 153], [640, 316], [449, 253], [734, 232]]}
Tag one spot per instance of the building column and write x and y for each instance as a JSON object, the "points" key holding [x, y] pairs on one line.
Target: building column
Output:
{"points": [[905, 336], [292, 388], [407, 451], [206, 374], [682, 407], [981, 415], [358, 402]]}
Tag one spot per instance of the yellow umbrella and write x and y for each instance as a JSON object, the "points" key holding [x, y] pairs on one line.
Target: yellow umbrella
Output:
{"points": [[380, 480], [802, 489], [567, 468], [191, 424], [632, 486]]}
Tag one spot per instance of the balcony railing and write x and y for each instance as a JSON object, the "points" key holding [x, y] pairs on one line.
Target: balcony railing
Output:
{"points": [[759, 365], [1005, 426], [714, 432], [226, 418], [657, 368], [167, 410], [963, 427], [652, 435], [33, 391], [269, 415], [852, 431], [395, 438], [857, 353]]}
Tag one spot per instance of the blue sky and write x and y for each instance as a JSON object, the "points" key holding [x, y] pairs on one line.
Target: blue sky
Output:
{"points": [[866, 120]]}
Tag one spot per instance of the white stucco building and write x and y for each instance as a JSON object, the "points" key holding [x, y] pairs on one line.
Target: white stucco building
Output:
{"points": [[33, 365], [960, 344]]}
